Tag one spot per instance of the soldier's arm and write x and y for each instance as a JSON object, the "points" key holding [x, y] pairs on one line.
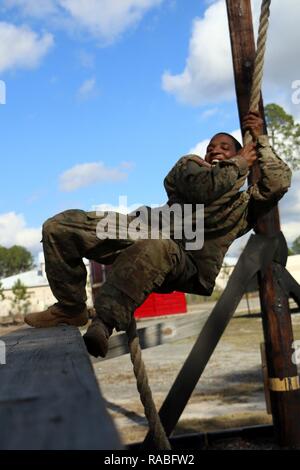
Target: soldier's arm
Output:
{"points": [[273, 184], [195, 181], [275, 174]]}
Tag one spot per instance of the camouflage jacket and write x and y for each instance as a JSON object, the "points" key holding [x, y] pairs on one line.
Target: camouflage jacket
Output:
{"points": [[228, 212]]}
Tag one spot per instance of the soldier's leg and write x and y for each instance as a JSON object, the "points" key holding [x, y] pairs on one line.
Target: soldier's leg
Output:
{"points": [[141, 268], [67, 238]]}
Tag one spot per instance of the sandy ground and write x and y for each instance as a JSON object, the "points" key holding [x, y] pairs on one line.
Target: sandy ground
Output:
{"points": [[229, 394]]}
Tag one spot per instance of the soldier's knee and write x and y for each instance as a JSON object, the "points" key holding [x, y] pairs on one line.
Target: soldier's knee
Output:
{"points": [[52, 225], [59, 223], [49, 228]]}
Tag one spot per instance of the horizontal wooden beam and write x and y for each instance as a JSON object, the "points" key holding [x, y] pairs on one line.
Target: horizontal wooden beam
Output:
{"points": [[158, 333]]}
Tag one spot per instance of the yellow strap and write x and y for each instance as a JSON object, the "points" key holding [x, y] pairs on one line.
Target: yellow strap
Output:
{"points": [[287, 384]]}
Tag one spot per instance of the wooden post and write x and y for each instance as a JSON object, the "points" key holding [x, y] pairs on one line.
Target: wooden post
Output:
{"points": [[283, 377]]}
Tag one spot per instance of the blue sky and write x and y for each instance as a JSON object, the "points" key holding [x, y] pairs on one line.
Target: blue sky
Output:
{"points": [[104, 96]]}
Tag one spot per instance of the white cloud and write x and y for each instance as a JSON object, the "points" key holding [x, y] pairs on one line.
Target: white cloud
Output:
{"points": [[291, 231], [104, 19], [208, 76], [36, 8], [86, 174], [289, 208], [87, 89], [290, 204], [122, 207], [14, 231], [22, 47], [283, 43]]}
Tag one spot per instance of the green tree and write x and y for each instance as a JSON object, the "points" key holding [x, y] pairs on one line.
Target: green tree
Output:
{"points": [[20, 302], [14, 260], [284, 133], [296, 246]]}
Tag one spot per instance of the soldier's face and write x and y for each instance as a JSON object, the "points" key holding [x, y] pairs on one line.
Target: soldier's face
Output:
{"points": [[221, 147]]}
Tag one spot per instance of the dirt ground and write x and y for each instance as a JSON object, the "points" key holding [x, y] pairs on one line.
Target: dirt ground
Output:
{"points": [[229, 394]]}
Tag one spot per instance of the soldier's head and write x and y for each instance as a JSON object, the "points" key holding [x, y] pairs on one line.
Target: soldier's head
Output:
{"points": [[222, 147]]}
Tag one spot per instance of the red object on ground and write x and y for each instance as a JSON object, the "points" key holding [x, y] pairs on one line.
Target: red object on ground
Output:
{"points": [[162, 304], [154, 305]]}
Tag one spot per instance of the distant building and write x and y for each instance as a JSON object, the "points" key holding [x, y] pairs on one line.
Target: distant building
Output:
{"points": [[41, 296], [293, 266], [37, 284]]}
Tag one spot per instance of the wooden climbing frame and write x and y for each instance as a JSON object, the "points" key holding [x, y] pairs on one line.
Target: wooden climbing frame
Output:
{"points": [[265, 255]]}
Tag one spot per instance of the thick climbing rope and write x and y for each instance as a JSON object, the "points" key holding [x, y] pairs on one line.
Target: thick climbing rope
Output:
{"points": [[259, 61], [156, 429]]}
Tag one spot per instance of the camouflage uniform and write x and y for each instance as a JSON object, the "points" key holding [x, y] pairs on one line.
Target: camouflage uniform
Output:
{"points": [[143, 266]]}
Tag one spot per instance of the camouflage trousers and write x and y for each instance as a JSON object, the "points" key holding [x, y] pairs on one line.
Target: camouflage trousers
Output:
{"points": [[139, 267]]}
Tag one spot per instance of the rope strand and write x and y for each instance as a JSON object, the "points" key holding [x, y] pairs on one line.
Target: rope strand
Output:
{"points": [[259, 61], [156, 429]]}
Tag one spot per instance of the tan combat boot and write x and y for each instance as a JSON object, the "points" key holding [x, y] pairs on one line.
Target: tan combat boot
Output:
{"points": [[56, 315]]}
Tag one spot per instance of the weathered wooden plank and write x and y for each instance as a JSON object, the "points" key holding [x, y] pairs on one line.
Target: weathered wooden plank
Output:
{"points": [[49, 396], [155, 334]]}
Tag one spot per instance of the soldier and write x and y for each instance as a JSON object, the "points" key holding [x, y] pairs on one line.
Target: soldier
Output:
{"points": [[161, 265]]}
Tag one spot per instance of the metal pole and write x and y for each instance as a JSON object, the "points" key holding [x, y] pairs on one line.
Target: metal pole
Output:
{"points": [[277, 326]]}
